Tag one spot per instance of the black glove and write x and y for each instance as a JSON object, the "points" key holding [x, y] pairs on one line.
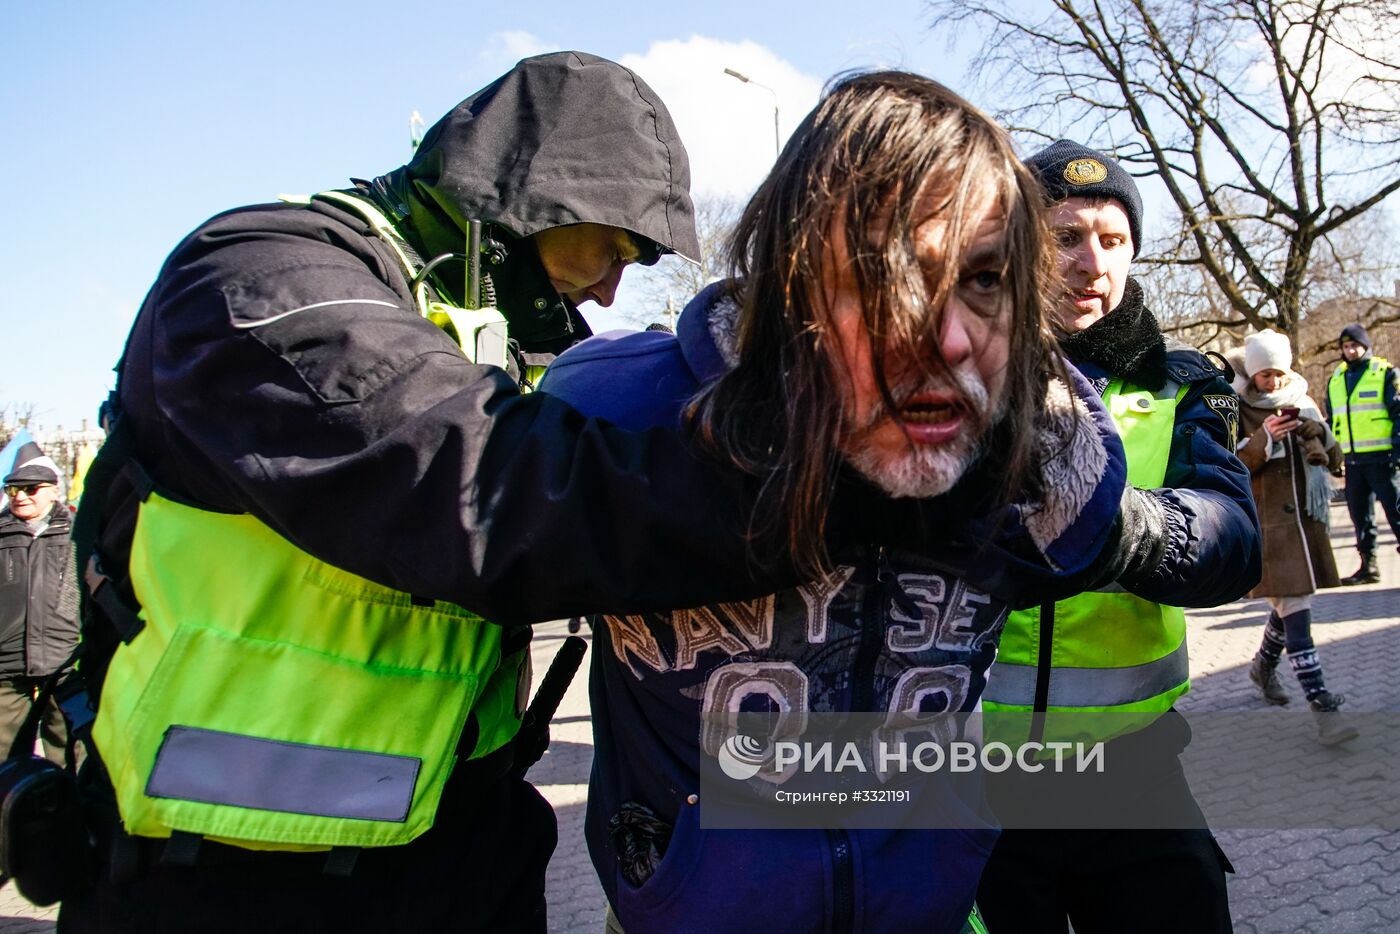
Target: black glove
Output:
{"points": [[1141, 541]]}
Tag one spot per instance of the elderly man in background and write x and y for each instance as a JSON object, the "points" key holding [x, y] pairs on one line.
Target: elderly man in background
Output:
{"points": [[38, 595]]}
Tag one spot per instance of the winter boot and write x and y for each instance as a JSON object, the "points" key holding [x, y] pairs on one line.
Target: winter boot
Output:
{"points": [[1368, 573], [1264, 673], [1332, 727]]}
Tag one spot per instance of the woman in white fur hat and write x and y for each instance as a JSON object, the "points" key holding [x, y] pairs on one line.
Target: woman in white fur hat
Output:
{"points": [[1290, 451]]}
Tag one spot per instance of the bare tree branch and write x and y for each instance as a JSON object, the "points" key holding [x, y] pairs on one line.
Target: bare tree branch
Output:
{"points": [[1272, 125]]}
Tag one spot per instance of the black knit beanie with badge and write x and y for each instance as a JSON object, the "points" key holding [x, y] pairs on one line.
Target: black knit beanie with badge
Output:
{"points": [[1355, 332], [1068, 170]]}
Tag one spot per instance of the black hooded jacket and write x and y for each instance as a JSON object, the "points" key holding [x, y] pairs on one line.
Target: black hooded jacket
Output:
{"points": [[278, 367], [559, 139]]}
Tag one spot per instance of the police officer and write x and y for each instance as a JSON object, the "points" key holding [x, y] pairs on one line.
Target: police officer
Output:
{"points": [[1115, 660], [304, 720], [1363, 403]]}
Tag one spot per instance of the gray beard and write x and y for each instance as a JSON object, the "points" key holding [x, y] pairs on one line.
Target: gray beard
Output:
{"points": [[922, 471], [921, 474]]}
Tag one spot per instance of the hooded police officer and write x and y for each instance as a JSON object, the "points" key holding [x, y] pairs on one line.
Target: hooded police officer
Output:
{"points": [[316, 496]]}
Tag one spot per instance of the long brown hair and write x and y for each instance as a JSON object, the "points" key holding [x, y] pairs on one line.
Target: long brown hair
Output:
{"points": [[877, 150]]}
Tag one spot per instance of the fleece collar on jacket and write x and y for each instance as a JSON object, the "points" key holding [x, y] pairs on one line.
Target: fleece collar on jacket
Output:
{"points": [[706, 332], [1127, 343]]}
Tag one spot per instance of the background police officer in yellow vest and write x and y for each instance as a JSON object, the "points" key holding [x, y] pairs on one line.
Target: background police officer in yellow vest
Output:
{"points": [[304, 724], [1123, 651], [1363, 404]]}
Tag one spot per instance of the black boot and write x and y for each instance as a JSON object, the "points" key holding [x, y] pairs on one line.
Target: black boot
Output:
{"points": [[1368, 573], [1264, 673]]}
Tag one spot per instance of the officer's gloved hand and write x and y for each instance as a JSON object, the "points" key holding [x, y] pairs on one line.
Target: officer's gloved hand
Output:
{"points": [[1141, 541]]}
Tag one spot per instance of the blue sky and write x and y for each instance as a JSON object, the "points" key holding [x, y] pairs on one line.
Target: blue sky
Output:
{"points": [[126, 124]]}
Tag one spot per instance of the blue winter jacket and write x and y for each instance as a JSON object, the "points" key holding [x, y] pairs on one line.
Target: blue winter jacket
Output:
{"points": [[653, 673]]}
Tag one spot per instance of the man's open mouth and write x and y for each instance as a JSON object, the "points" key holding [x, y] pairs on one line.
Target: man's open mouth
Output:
{"points": [[930, 409]]}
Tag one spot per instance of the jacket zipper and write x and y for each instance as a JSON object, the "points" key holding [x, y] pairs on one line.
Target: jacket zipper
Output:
{"points": [[1346, 401], [872, 635], [1296, 474], [1043, 665], [843, 871]]}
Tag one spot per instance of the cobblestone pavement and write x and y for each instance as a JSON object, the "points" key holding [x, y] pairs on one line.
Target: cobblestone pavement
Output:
{"points": [[1323, 881]]}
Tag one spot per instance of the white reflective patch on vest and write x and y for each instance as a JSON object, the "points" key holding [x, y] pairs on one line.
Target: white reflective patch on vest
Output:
{"points": [[297, 778], [1014, 685]]}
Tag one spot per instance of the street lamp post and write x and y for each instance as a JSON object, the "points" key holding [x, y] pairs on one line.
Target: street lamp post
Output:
{"points": [[747, 80]]}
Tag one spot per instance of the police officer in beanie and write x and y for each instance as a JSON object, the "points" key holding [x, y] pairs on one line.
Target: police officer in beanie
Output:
{"points": [[1363, 404], [1110, 663], [38, 595]]}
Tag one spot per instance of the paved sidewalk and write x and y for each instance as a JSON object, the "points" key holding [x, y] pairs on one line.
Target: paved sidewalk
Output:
{"points": [[1328, 882], [1324, 881]]}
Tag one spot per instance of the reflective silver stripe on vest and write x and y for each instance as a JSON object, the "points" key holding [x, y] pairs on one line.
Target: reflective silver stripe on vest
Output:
{"points": [[295, 778], [1375, 445], [1365, 407], [1089, 687]]}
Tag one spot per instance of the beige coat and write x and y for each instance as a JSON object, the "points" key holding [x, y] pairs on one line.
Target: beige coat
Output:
{"points": [[1297, 551]]}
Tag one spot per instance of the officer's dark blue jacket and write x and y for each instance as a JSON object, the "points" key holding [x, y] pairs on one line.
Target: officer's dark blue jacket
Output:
{"points": [[1212, 553]]}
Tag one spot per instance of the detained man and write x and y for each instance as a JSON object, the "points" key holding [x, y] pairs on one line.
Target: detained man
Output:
{"points": [[882, 326]]}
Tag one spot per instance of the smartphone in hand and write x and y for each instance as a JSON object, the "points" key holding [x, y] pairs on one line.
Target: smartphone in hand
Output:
{"points": [[1289, 411]]}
